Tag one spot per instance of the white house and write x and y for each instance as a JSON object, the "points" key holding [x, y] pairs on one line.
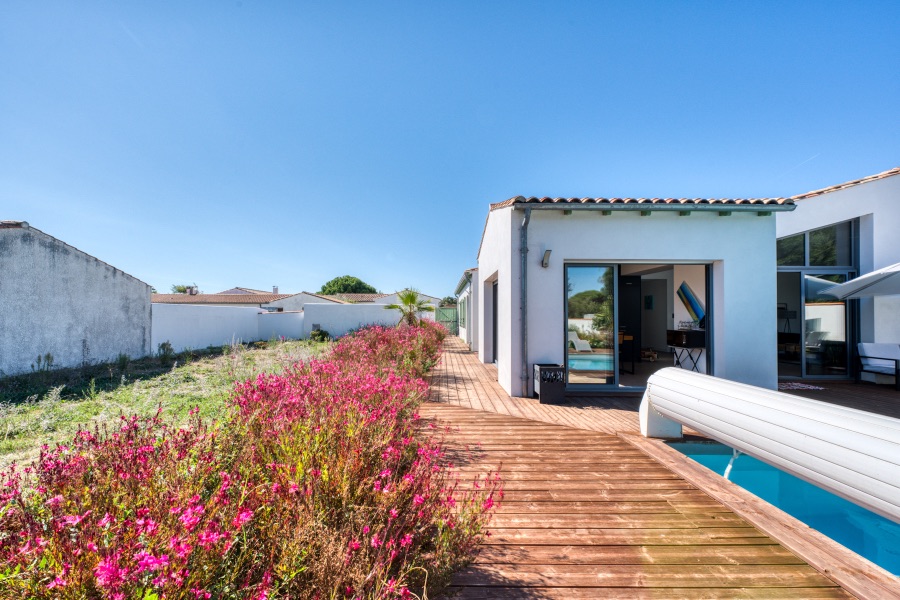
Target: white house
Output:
{"points": [[588, 283], [836, 234], [59, 301]]}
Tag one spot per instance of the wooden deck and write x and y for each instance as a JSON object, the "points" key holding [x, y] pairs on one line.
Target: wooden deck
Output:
{"points": [[586, 514]]}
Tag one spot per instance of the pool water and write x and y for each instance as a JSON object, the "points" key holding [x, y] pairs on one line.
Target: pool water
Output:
{"points": [[596, 362], [869, 535]]}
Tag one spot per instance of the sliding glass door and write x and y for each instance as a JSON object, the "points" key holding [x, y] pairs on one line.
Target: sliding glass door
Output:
{"points": [[591, 344]]}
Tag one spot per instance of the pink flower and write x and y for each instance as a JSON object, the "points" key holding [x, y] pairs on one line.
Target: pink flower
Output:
{"points": [[242, 517], [406, 541], [58, 582], [200, 593], [418, 499], [148, 562], [394, 513], [354, 545], [106, 520], [108, 572]]}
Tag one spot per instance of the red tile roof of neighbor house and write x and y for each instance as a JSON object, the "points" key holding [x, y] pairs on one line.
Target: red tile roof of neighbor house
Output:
{"points": [[841, 186], [645, 202], [242, 290], [216, 298]]}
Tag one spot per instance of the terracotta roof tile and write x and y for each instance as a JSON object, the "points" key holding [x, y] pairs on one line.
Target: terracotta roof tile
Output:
{"points": [[216, 298], [642, 201], [841, 186], [243, 290]]}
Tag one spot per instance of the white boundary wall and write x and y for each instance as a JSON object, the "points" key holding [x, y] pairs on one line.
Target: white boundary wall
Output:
{"points": [[198, 326], [339, 319], [195, 326]]}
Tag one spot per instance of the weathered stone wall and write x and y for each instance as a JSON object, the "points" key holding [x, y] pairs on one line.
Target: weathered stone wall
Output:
{"points": [[56, 299]]}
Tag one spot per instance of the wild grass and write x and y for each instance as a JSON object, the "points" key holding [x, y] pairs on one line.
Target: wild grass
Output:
{"points": [[319, 481], [49, 407]]}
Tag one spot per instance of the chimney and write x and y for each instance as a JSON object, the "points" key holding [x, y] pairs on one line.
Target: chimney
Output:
{"points": [[274, 289], [192, 290]]}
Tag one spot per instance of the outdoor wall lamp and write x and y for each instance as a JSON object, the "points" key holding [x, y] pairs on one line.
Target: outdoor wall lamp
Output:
{"points": [[545, 262]]}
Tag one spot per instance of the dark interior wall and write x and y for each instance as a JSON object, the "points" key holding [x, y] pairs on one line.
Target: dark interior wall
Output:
{"points": [[653, 320], [630, 306]]}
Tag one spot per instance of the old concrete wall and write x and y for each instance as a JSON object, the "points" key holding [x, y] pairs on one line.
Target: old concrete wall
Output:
{"points": [[56, 299]]}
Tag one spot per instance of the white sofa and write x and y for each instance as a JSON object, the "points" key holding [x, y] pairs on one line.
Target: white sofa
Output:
{"points": [[882, 361]]}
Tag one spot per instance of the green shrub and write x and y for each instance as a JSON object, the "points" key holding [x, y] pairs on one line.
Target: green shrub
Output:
{"points": [[166, 353], [319, 335]]}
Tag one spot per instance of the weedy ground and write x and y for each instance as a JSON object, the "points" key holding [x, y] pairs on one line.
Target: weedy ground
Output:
{"points": [[48, 407]]}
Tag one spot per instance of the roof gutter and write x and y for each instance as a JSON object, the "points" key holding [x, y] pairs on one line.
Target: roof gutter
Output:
{"points": [[633, 207], [523, 298]]}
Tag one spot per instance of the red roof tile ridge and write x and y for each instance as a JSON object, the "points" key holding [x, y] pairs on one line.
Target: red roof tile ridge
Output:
{"points": [[847, 184], [642, 200]]}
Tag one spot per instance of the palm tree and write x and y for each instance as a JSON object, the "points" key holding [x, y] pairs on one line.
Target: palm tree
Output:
{"points": [[410, 305]]}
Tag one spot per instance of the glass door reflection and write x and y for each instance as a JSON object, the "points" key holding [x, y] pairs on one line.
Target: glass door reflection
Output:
{"points": [[590, 325], [825, 327]]}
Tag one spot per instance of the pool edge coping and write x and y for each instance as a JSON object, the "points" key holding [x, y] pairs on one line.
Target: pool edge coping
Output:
{"points": [[849, 570]]}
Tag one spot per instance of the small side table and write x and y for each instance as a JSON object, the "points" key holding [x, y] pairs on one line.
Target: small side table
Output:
{"points": [[686, 359]]}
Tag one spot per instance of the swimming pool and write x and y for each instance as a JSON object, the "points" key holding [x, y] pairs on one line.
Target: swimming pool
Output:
{"points": [[869, 535], [592, 362]]}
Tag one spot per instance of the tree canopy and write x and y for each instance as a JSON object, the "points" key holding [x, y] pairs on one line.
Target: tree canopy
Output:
{"points": [[347, 284]]}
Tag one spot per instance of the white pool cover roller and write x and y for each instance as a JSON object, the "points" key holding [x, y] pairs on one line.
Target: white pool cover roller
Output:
{"points": [[851, 453]]}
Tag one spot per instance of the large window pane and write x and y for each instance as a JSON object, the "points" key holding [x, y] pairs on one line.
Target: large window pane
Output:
{"points": [[591, 324], [825, 327], [791, 251], [830, 246]]}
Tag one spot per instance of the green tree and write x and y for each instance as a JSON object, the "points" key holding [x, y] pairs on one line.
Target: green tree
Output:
{"points": [[448, 301], [182, 289], [347, 284], [410, 306]]}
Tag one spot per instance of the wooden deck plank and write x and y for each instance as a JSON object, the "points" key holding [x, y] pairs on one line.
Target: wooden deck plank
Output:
{"points": [[586, 514]]}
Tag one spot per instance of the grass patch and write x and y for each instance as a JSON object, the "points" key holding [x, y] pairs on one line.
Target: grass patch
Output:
{"points": [[48, 407]]}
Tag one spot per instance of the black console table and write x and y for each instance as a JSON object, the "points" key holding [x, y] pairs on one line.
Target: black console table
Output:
{"points": [[688, 346]]}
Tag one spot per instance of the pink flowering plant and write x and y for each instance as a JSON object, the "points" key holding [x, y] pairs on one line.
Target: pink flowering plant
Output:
{"points": [[320, 483]]}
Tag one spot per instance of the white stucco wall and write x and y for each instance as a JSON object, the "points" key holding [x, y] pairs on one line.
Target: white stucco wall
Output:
{"points": [[495, 263], [200, 326], [57, 299], [339, 319], [469, 293], [877, 205], [276, 325], [740, 247]]}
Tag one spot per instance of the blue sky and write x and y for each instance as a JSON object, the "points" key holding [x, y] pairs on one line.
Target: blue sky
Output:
{"points": [[285, 143]]}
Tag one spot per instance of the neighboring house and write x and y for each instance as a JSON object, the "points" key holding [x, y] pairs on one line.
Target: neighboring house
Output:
{"points": [[395, 299], [296, 302], [378, 298], [836, 234], [58, 300], [241, 290], [633, 271], [466, 302], [243, 299]]}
